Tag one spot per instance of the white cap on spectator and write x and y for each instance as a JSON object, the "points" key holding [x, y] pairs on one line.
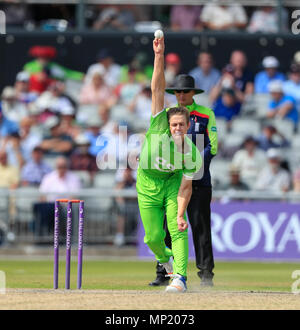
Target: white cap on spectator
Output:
{"points": [[297, 57], [8, 92], [51, 122], [99, 71], [33, 109], [81, 139], [273, 153], [275, 86], [270, 62], [65, 107], [23, 76]]}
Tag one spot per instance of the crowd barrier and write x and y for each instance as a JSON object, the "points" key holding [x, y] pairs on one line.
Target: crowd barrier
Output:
{"points": [[244, 224]]}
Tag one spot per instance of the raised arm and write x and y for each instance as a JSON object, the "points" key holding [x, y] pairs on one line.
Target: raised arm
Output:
{"points": [[158, 82]]}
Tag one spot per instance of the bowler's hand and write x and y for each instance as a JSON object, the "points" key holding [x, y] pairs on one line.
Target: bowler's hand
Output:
{"points": [[159, 45], [182, 224]]}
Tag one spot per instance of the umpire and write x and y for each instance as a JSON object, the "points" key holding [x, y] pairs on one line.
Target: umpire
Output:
{"points": [[202, 120]]}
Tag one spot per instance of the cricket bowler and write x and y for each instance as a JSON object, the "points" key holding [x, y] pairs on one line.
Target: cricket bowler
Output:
{"points": [[167, 165]]}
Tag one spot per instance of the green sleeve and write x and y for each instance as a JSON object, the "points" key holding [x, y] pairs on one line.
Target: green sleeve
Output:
{"points": [[60, 72], [159, 123], [212, 133]]}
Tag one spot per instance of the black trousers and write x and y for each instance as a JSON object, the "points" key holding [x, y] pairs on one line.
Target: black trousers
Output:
{"points": [[200, 220]]}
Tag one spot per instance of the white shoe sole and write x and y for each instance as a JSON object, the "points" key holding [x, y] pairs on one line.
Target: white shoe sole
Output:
{"points": [[175, 289]]}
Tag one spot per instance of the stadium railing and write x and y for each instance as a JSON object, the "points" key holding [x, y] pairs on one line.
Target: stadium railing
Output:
{"points": [[23, 222]]}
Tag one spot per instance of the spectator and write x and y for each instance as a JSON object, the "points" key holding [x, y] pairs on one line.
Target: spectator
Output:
{"points": [[55, 101], [223, 18], [68, 124], [185, 18], [43, 63], [59, 181], [115, 17], [140, 63], [23, 94], [267, 140], [296, 58], [7, 127], [292, 85], [173, 66], [273, 178], [112, 71], [235, 183], [296, 182], [20, 145], [96, 91], [35, 169], [263, 78], [56, 143], [249, 160], [227, 106], [281, 106], [265, 19], [39, 82], [9, 175], [81, 159], [141, 103], [12, 146], [243, 78], [205, 74], [108, 126], [12, 109], [93, 134], [127, 91], [126, 207]]}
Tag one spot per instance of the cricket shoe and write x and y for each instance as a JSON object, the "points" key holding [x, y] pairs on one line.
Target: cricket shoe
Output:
{"points": [[168, 267], [178, 284]]}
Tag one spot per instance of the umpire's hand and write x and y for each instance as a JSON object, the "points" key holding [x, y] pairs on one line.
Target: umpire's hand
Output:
{"points": [[182, 224]]}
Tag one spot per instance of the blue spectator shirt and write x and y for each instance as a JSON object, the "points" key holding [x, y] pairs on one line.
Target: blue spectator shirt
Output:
{"points": [[293, 114], [262, 81], [205, 82], [221, 110], [7, 126], [33, 172], [96, 147], [292, 89]]}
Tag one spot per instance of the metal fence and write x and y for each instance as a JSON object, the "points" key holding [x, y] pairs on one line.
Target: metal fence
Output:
{"points": [[26, 219]]}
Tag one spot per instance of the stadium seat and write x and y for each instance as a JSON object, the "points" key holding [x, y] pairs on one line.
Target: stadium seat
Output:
{"points": [[25, 198], [261, 102], [104, 180], [119, 112], [246, 127], [88, 113], [285, 127], [49, 160], [233, 140], [4, 205], [203, 99], [296, 141], [219, 170], [73, 88], [85, 178], [221, 127]]}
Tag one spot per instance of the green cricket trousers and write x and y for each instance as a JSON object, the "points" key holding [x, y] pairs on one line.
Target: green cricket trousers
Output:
{"points": [[157, 197]]}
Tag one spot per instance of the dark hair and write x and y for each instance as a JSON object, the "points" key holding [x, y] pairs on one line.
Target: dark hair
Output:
{"points": [[179, 111]]}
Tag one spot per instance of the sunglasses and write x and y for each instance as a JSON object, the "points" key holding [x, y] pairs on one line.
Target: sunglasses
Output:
{"points": [[183, 91]]}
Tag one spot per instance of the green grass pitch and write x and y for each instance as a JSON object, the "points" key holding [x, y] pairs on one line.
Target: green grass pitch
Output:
{"points": [[135, 275]]}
